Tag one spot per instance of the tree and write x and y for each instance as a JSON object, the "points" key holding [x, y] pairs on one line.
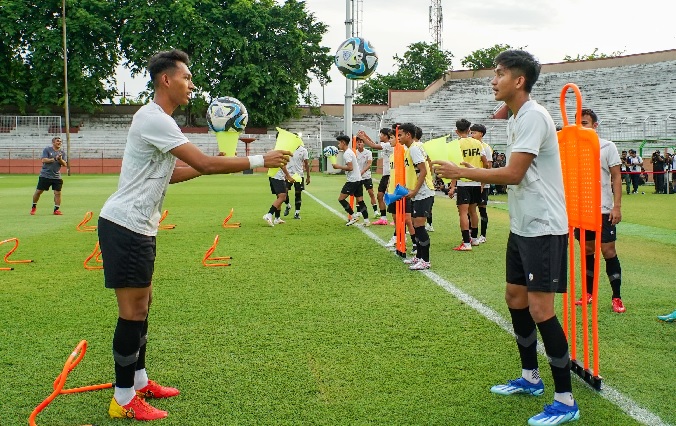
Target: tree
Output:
{"points": [[592, 56], [258, 51], [484, 58], [32, 53], [422, 64]]}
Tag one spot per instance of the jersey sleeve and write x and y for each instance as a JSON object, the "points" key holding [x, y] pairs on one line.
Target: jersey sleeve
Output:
{"points": [[45, 153], [530, 133], [417, 155], [163, 133], [613, 157]]}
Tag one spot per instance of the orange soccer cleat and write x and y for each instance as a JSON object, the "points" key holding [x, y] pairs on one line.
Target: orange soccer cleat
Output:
{"points": [[136, 409], [618, 306], [155, 390]]}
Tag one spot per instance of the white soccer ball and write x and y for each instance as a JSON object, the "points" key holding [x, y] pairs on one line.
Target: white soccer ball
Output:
{"points": [[227, 113], [356, 58], [330, 151]]}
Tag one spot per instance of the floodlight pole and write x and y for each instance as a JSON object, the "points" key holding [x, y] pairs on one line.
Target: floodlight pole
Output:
{"points": [[349, 88], [65, 85]]}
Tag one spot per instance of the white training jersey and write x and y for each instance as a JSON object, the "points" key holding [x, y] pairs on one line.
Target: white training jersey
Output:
{"points": [[363, 158], [147, 166], [387, 150], [488, 152], [609, 158], [537, 205], [418, 155], [353, 175], [634, 161], [297, 161]]}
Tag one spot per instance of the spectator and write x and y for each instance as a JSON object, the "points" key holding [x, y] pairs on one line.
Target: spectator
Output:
{"points": [[624, 169], [53, 158], [658, 172], [635, 167]]}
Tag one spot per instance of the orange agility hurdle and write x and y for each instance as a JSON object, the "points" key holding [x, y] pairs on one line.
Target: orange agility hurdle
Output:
{"points": [[96, 255], [210, 251], [227, 219], [72, 362], [9, 253], [164, 215], [83, 227], [580, 162]]}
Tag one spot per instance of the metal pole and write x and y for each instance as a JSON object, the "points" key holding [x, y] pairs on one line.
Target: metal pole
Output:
{"points": [[347, 113], [65, 85]]}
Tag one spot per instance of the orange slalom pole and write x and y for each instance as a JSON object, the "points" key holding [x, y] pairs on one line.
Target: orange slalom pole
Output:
{"points": [[210, 251], [354, 149], [227, 219], [73, 360], [83, 227], [583, 290], [595, 301], [164, 215], [400, 178]]}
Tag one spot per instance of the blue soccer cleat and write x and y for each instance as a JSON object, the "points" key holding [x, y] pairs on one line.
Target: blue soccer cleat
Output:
{"points": [[520, 386], [667, 318], [557, 413]]}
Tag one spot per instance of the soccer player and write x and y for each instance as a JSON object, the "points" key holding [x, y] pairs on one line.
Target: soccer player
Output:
{"points": [[478, 131], [353, 184], [129, 221], [364, 162], [53, 158], [386, 145], [279, 190], [298, 165], [536, 259], [468, 191], [611, 213], [421, 191]]}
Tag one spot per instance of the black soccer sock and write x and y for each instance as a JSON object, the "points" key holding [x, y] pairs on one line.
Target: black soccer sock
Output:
{"points": [[346, 207], [34, 205], [375, 208], [474, 232], [614, 271], [429, 219], [126, 345], [483, 213], [423, 239], [589, 259], [298, 200], [556, 347], [277, 213], [272, 210], [361, 207], [141, 362], [465, 236], [383, 213], [526, 337], [56, 207]]}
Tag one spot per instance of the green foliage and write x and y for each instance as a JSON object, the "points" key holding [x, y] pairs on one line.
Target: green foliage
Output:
{"points": [[593, 55], [422, 64], [484, 58], [260, 52], [32, 53]]}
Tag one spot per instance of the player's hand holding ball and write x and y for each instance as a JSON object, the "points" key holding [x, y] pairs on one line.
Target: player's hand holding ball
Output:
{"points": [[276, 158]]}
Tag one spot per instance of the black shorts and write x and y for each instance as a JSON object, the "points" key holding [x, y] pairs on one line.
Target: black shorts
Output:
{"points": [[467, 195], [392, 207], [44, 184], [382, 185], [367, 183], [608, 231], [353, 188], [539, 263], [484, 196], [128, 257], [422, 208], [277, 186], [297, 186]]}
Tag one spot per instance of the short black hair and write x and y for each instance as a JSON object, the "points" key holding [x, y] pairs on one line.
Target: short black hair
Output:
{"points": [[523, 63], [476, 127], [418, 133], [343, 138], [386, 131], [462, 125], [408, 128], [591, 113], [165, 60]]}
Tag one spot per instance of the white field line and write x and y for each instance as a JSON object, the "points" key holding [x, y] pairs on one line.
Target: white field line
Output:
{"points": [[623, 402]]}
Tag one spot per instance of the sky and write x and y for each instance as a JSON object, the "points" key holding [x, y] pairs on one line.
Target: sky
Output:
{"points": [[550, 30]]}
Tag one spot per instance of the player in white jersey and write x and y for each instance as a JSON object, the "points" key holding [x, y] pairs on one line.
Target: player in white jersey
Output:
{"points": [[353, 184], [478, 131], [536, 259], [611, 213], [385, 148], [365, 158], [129, 220], [298, 166]]}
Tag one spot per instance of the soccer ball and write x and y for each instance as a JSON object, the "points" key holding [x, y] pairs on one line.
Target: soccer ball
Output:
{"points": [[227, 113], [356, 58], [330, 151]]}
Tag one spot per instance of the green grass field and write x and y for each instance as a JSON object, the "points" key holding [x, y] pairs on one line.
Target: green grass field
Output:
{"points": [[314, 323]]}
